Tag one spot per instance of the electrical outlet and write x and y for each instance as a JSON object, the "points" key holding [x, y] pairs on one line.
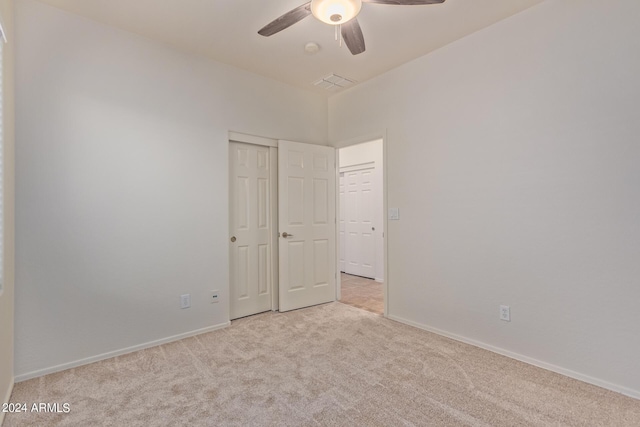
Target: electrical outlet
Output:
{"points": [[214, 296], [185, 301], [505, 313]]}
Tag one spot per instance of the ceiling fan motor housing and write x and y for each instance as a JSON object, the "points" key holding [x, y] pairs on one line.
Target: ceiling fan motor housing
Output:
{"points": [[335, 12]]}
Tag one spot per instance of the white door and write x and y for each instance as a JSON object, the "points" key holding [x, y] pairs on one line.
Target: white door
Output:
{"points": [[359, 211], [307, 224], [342, 223], [250, 227]]}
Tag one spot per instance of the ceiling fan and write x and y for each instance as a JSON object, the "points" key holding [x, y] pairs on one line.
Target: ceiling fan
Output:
{"points": [[340, 13]]}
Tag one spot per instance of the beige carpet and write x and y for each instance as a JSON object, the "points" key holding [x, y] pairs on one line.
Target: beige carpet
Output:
{"points": [[326, 365]]}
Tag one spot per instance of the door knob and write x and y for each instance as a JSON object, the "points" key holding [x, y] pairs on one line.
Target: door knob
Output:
{"points": [[285, 235], [373, 229], [233, 239]]}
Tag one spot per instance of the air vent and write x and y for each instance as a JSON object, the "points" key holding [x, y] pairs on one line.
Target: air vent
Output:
{"points": [[334, 82]]}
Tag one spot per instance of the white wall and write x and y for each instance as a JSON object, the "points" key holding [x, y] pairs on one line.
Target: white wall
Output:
{"points": [[368, 152], [7, 292], [122, 184], [513, 155]]}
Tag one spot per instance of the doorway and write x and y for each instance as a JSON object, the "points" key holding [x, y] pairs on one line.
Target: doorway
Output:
{"points": [[361, 225]]}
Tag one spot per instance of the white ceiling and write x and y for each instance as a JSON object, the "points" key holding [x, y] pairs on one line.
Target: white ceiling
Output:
{"points": [[226, 31]]}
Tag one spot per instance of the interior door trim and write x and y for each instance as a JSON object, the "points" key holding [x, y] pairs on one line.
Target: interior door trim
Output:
{"points": [[252, 139], [353, 168]]}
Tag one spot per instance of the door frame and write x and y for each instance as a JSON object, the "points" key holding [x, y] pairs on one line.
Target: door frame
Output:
{"points": [[382, 135], [273, 180]]}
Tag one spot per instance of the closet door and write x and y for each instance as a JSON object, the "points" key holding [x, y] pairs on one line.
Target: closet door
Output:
{"points": [[360, 245], [250, 228], [342, 223]]}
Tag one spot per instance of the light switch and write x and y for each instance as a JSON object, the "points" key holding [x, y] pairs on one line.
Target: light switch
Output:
{"points": [[394, 214]]}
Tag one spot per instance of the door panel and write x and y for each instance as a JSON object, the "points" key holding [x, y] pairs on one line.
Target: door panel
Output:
{"points": [[264, 269], [242, 281], [263, 203], [250, 224], [320, 201], [295, 202], [321, 263], [306, 196]]}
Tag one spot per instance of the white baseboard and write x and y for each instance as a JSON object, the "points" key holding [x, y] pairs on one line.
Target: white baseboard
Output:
{"points": [[379, 280], [103, 356], [7, 396], [531, 361]]}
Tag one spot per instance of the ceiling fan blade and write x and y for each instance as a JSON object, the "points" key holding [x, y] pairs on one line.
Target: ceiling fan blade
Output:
{"points": [[404, 2], [286, 20], [352, 36]]}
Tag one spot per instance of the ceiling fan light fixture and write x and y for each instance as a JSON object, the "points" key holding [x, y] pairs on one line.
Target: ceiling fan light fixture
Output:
{"points": [[335, 12]]}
